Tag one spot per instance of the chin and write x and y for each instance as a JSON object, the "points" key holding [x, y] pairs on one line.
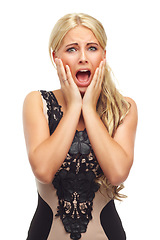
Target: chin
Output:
{"points": [[82, 90]]}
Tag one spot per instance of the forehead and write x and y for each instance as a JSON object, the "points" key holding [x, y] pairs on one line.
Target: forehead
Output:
{"points": [[79, 34]]}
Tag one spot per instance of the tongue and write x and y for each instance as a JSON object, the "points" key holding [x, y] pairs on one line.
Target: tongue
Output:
{"points": [[82, 76]]}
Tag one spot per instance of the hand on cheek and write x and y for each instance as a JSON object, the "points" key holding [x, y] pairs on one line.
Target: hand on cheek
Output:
{"points": [[93, 91], [69, 88]]}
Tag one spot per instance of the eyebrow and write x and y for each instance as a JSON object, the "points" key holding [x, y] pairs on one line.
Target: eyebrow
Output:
{"points": [[90, 43]]}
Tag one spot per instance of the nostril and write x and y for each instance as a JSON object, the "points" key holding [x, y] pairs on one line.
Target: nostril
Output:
{"points": [[83, 61], [83, 58]]}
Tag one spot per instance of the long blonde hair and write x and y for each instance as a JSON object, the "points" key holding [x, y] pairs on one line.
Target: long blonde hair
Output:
{"points": [[112, 106]]}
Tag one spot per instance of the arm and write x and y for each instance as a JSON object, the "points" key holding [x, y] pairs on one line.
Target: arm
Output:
{"points": [[46, 153], [115, 155]]}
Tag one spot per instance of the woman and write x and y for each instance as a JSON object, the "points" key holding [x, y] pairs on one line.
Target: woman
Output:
{"points": [[80, 138]]}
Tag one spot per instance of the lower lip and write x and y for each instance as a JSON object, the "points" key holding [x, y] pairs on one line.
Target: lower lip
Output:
{"points": [[83, 83]]}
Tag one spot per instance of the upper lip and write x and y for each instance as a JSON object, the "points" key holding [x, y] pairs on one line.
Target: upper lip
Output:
{"points": [[83, 70]]}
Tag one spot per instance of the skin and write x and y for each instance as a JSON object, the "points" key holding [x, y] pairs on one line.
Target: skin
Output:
{"points": [[79, 50]]}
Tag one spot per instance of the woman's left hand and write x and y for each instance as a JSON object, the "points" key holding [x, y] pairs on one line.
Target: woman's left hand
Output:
{"points": [[93, 91]]}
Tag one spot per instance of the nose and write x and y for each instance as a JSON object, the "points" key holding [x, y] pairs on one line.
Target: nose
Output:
{"points": [[83, 57]]}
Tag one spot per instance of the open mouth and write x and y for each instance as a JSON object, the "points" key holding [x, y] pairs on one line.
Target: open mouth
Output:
{"points": [[83, 76]]}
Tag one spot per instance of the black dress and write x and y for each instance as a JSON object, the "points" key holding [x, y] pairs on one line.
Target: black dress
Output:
{"points": [[74, 206]]}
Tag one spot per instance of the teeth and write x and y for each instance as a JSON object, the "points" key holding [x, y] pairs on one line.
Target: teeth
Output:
{"points": [[83, 70]]}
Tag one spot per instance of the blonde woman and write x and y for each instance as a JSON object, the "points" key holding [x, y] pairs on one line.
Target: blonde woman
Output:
{"points": [[80, 138]]}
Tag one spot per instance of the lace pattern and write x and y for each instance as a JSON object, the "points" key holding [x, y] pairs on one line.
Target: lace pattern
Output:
{"points": [[75, 180], [53, 110]]}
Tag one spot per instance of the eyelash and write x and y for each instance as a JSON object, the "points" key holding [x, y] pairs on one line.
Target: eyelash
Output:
{"points": [[73, 49], [92, 48], [70, 49]]}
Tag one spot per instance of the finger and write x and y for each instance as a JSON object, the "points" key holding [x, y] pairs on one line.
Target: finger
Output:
{"points": [[95, 76], [103, 70], [69, 75], [61, 71], [101, 73]]}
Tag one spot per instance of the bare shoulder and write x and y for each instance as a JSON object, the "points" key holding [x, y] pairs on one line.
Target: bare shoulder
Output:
{"points": [[33, 97], [131, 101], [35, 123], [125, 133], [131, 118], [32, 105]]}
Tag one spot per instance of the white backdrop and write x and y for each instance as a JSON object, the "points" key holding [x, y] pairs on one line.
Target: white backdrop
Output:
{"points": [[133, 53]]}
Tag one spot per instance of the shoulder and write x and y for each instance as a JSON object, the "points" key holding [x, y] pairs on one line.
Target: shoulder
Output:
{"points": [[133, 105], [35, 97], [126, 131], [132, 115], [32, 96], [32, 102], [131, 101]]}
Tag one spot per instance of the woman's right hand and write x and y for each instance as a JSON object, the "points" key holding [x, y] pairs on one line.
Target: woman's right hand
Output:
{"points": [[69, 88]]}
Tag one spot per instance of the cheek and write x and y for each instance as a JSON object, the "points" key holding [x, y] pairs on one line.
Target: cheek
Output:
{"points": [[96, 63], [71, 63], [96, 60], [68, 61]]}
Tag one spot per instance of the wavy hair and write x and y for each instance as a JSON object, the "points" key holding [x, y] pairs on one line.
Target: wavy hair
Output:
{"points": [[111, 106]]}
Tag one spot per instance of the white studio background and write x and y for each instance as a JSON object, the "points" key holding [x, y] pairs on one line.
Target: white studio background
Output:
{"points": [[133, 53]]}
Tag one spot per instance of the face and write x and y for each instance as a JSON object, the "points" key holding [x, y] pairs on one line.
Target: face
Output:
{"points": [[81, 51]]}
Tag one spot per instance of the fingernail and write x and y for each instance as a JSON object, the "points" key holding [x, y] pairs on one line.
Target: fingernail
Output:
{"points": [[67, 67], [55, 59]]}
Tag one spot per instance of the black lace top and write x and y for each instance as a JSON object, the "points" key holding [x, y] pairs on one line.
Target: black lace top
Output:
{"points": [[75, 180]]}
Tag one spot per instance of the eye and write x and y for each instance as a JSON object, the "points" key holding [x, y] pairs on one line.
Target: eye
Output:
{"points": [[72, 49], [92, 48]]}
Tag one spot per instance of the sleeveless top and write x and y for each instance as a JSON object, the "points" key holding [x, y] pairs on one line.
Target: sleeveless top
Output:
{"points": [[74, 199]]}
